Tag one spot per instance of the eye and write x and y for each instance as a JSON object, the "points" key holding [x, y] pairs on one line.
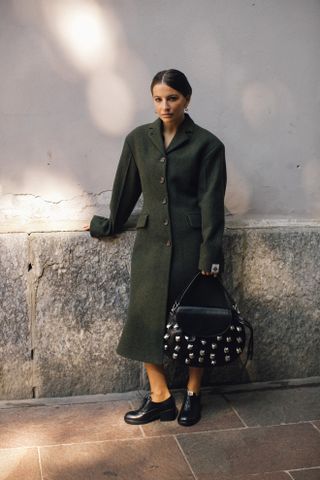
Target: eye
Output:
{"points": [[172, 98], [157, 99]]}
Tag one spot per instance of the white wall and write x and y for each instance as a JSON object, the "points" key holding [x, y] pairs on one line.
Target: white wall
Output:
{"points": [[75, 78]]}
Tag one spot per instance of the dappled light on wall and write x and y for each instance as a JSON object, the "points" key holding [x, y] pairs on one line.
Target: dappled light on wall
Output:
{"points": [[268, 104], [83, 32], [110, 102], [258, 104], [92, 41], [310, 183], [56, 206], [238, 192]]}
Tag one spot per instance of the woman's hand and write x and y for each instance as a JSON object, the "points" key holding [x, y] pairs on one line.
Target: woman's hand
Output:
{"points": [[214, 270], [209, 274], [86, 227]]}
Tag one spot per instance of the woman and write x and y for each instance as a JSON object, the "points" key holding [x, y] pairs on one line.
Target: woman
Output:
{"points": [[180, 169]]}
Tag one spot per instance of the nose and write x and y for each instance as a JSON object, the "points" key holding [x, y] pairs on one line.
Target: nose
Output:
{"points": [[165, 105]]}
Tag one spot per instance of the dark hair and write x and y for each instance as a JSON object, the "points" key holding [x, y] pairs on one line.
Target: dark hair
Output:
{"points": [[174, 79]]}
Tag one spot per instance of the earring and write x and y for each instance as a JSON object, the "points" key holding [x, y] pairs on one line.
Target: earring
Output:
{"points": [[186, 109]]}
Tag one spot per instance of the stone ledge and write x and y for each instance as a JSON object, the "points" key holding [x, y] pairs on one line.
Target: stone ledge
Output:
{"points": [[232, 222], [64, 298]]}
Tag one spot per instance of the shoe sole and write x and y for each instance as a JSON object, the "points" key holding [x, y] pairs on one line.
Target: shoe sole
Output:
{"points": [[165, 416], [189, 424]]}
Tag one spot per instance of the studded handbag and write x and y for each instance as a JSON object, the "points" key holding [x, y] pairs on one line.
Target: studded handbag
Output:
{"points": [[205, 327]]}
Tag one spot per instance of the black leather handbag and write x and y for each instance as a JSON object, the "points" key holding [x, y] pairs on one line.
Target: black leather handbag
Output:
{"points": [[205, 327]]}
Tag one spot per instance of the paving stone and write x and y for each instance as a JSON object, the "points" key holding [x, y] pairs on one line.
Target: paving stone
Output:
{"points": [[216, 415], [20, 463], [145, 459], [264, 476], [273, 407], [35, 426], [309, 474], [223, 455]]}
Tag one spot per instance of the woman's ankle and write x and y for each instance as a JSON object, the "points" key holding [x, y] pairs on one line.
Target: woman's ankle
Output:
{"points": [[160, 396]]}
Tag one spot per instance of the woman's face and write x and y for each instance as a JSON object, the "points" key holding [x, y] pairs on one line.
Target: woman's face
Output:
{"points": [[169, 104]]}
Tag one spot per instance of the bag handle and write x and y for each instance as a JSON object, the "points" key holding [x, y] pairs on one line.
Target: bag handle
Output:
{"points": [[229, 298]]}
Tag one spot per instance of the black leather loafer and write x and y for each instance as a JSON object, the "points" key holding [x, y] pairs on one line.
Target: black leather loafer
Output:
{"points": [[149, 411], [190, 412]]}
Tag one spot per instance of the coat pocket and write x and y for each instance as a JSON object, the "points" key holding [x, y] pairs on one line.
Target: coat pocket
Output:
{"points": [[194, 220], [142, 220]]}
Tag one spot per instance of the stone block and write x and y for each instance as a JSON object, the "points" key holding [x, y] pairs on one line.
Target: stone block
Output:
{"points": [[64, 300], [274, 276], [15, 332], [80, 306], [280, 295]]}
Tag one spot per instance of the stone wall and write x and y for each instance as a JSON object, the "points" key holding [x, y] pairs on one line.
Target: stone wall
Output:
{"points": [[64, 298]]}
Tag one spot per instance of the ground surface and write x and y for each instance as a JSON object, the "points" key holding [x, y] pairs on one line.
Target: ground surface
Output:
{"points": [[264, 434]]}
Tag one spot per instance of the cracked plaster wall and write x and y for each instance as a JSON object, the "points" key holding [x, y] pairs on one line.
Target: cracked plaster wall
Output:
{"points": [[64, 116]]}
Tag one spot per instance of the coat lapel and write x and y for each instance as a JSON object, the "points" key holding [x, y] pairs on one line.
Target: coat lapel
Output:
{"points": [[155, 135], [182, 136]]}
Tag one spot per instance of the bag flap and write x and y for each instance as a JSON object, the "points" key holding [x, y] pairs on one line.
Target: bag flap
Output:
{"points": [[203, 321]]}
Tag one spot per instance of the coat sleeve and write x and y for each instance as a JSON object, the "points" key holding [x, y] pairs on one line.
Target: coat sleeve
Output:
{"points": [[212, 186], [125, 194]]}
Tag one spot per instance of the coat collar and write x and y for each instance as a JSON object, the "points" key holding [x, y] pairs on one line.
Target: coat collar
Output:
{"points": [[183, 134]]}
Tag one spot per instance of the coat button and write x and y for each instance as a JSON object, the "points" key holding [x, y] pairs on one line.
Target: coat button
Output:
{"points": [[162, 180], [162, 159], [166, 222], [164, 201], [168, 244]]}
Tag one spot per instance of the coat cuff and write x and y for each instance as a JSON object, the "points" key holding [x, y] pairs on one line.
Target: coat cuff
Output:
{"points": [[208, 261], [100, 226]]}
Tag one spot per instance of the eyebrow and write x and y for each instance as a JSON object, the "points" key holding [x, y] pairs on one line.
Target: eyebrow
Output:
{"points": [[167, 96]]}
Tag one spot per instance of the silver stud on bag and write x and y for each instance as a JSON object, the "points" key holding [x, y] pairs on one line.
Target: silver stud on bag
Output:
{"points": [[219, 338], [214, 346], [187, 361], [203, 342], [239, 329], [169, 325], [186, 337], [177, 348], [212, 356], [228, 339], [227, 358], [239, 339], [232, 327], [191, 355], [175, 326], [177, 338], [202, 352], [190, 346], [226, 350], [238, 350], [200, 359], [174, 356], [213, 362], [165, 347], [192, 339], [166, 336]]}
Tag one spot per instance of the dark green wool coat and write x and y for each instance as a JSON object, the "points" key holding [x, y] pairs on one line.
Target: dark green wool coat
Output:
{"points": [[179, 230]]}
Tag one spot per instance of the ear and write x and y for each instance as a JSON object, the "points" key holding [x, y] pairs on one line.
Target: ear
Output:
{"points": [[188, 98]]}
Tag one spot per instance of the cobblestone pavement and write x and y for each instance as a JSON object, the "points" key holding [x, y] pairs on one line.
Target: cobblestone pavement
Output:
{"points": [[255, 434]]}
